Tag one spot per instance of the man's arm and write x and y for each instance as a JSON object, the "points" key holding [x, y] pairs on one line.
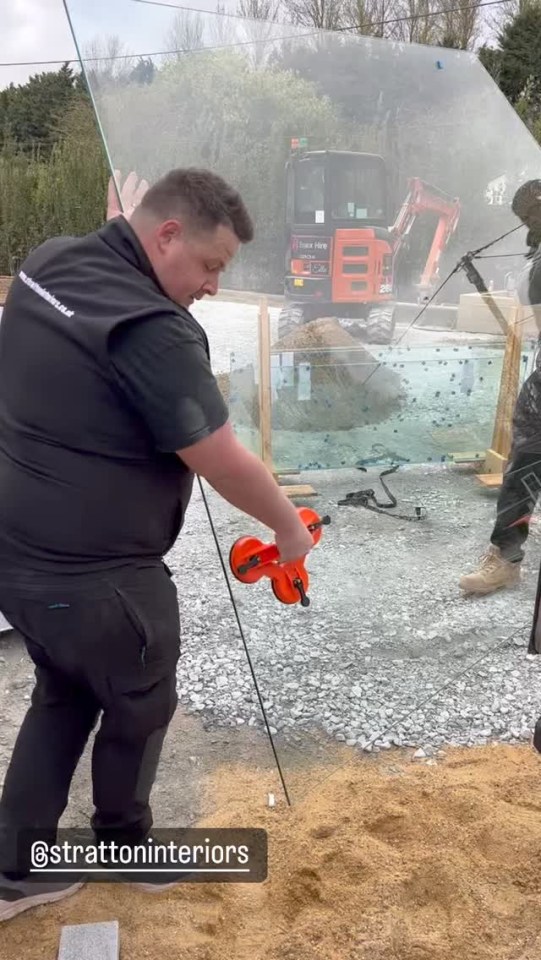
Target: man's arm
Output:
{"points": [[244, 481], [164, 370]]}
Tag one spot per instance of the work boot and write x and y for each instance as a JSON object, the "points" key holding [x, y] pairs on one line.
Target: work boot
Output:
{"points": [[494, 573]]}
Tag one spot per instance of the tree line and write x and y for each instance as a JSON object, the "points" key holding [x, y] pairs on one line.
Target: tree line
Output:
{"points": [[53, 168]]}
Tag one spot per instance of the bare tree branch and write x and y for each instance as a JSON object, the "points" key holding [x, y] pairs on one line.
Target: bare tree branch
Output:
{"points": [[222, 29], [460, 26], [366, 16], [416, 27], [322, 14], [259, 9], [106, 59], [185, 34]]}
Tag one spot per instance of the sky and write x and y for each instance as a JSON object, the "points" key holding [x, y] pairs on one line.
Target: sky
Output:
{"points": [[33, 30], [37, 30]]}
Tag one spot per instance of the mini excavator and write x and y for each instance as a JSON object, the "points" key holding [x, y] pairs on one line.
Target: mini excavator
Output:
{"points": [[341, 254]]}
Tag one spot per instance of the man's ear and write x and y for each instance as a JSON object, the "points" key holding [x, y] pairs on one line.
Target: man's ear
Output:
{"points": [[168, 232]]}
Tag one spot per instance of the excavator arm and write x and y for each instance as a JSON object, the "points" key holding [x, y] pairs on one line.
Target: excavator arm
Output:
{"points": [[422, 197]]}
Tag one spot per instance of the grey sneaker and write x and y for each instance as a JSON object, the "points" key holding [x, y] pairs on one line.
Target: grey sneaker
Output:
{"points": [[19, 895], [494, 572]]}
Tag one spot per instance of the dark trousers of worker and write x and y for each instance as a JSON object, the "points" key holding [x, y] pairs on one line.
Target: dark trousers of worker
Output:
{"points": [[105, 651], [521, 486]]}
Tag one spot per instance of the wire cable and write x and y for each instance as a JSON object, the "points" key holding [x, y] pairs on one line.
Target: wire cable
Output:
{"points": [[296, 36], [414, 321], [243, 638], [455, 269], [374, 23]]}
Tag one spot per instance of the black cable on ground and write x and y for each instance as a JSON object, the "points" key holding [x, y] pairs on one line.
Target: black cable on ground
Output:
{"points": [[367, 499]]}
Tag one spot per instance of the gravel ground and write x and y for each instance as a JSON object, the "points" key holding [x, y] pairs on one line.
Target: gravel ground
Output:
{"points": [[389, 652]]}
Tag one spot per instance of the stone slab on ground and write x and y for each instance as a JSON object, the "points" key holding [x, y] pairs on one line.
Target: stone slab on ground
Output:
{"points": [[90, 941]]}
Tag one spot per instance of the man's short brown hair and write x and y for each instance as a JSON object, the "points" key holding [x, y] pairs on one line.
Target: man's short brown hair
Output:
{"points": [[200, 197], [527, 200]]}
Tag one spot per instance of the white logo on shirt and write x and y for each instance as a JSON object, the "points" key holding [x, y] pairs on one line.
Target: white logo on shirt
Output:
{"points": [[45, 294]]}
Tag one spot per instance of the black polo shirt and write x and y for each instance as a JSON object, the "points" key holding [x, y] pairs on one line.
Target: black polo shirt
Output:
{"points": [[102, 379]]}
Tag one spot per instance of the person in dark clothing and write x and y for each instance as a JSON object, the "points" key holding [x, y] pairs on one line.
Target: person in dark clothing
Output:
{"points": [[521, 485], [108, 409]]}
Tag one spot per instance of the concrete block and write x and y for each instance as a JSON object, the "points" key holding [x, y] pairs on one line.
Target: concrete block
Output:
{"points": [[90, 941], [475, 316]]}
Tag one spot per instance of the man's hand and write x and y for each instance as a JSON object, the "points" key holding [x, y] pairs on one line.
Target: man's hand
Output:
{"points": [[244, 481], [131, 195], [295, 543]]}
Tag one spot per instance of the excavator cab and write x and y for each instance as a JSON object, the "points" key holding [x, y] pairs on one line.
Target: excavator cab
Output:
{"points": [[338, 244], [332, 188], [341, 253]]}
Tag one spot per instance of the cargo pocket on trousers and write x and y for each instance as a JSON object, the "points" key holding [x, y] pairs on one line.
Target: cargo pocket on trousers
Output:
{"points": [[136, 622], [152, 667], [143, 694]]}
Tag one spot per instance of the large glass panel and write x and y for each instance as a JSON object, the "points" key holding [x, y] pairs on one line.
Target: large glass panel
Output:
{"points": [[355, 345], [342, 407]]}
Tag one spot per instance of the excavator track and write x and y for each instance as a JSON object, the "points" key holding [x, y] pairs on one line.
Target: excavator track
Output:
{"points": [[376, 327], [291, 317]]}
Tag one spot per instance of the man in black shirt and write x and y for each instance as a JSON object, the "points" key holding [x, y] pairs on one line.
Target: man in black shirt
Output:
{"points": [[500, 566], [108, 408]]}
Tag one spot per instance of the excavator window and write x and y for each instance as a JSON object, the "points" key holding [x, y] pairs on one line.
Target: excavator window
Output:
{"points": [[341, 187], [309, 191], [357, 190]]}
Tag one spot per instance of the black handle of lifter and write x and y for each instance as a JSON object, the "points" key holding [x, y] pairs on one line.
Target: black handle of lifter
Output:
{"points": [[324, 522], [253, 561]]}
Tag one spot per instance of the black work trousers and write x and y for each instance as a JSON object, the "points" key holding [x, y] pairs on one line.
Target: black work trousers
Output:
{"points": [[521, 486], [104, 647]]}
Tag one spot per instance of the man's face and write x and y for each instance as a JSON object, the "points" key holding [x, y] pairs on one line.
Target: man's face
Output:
{"points": [[526, 206], [533, 222], [188, 263]]}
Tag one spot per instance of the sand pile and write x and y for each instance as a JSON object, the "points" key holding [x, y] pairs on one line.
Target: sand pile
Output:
{"points": [[348, 388], [385, 860]]}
